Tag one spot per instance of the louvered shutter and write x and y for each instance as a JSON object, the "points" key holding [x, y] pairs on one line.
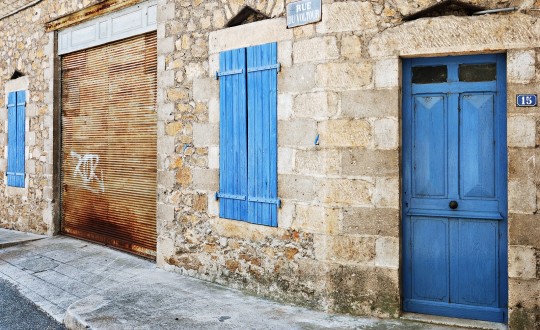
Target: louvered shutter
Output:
{"points": [[232, 135], [16, 133], [262, 134]]}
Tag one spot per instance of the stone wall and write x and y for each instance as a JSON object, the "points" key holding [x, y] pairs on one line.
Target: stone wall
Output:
{"points": [[337, 246]]}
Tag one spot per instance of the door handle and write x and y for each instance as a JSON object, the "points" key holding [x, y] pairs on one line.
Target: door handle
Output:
{"points": [[453, 205]]}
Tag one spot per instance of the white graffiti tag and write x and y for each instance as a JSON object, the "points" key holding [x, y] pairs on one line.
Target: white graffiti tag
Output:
{"points": [[86, 169]]}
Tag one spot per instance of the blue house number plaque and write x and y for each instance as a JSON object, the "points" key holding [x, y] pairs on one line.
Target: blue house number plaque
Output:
{"points": [[526, 100]]}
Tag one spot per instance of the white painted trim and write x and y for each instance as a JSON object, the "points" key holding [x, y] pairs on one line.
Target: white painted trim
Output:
{"points": [[122, 24]]}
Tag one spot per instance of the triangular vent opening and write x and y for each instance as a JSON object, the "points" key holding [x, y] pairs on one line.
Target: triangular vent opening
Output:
{"points": [[246, 15], [446, 8], [16, 74]]}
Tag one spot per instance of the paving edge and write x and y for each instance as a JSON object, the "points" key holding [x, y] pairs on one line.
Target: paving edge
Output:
{"points": [[449, 321], [8, 244], [73, 321]]}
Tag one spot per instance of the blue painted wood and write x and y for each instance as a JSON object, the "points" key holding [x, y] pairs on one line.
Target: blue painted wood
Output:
{"points": [[429, 145], [21, 116], [16, 133], [477, 161], [429, 258], [12, 139], [463, 251], [233, 136], [262, 134]]}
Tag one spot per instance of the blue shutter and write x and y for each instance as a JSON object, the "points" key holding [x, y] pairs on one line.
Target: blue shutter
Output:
{"points": [[233, 135], [262, 134], [21, 115], [12, 139]]}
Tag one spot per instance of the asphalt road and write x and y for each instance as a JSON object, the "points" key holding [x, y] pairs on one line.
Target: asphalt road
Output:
{"points": [[18, 313]]}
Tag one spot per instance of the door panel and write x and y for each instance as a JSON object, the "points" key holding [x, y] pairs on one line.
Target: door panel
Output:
{"points": [[477, 272], [454, 188], [477, 146], [429, 136], [430, 258]]}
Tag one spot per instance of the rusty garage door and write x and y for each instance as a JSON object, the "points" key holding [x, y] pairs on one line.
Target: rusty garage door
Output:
{"points": [[109, 144]]}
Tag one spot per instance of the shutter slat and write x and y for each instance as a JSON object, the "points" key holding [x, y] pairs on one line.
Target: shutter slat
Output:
{"points": [[233, 132], [262, 134]]}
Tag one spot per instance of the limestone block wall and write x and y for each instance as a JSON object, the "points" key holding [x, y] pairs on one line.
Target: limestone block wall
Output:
{"points": [[337, 245], [523, 189]]}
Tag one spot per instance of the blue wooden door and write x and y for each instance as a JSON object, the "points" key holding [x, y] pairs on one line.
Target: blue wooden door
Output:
{"points": [[454, 187]]}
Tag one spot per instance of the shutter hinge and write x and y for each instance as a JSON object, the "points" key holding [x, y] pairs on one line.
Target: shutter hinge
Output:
{"points": [[228, 73], [276, 201], [276, 66], [231, 196]]}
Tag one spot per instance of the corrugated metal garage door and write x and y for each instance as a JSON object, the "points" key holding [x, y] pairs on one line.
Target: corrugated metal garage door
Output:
{"points": [[109, 144]]}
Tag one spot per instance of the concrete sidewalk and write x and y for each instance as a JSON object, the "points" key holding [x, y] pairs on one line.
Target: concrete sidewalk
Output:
{"points": [[86, 286]]}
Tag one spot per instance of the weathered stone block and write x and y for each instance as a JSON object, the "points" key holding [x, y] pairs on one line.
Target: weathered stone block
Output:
{"points": [[165, 46], [205, 89], [347, 16], [386, 194], [524, 230], [285, 105], [316, 219], [370, 103], [470, 34], [344, 76], [286, 214], [364, 290], [317, 162], [205, 179], [371, 221], [297, 79], [349, 191], [521, 66], [318, 105], [387, 73], [386, 133], [387, 252], [165, 212], [298, 187], [285, 160], [345, 248], [213, 157], [521, 131], [522, 164], [297, 133], [345, 133], [521, 262], [326, 49], [521, 197], [205, 134], [351, 47], [165, 179], [285, 50], [270, 30], [365, 162]]}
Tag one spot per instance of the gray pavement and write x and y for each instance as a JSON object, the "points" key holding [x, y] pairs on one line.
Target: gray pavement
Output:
{"points": [[87, 286], [19, 313], [13, 237]]}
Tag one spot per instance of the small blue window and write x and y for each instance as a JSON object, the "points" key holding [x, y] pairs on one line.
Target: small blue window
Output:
{"points": [[16, 128], [248, 134]]}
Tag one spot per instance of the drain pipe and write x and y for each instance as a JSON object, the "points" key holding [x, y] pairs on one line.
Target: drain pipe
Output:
{"points": [[492, 11]]}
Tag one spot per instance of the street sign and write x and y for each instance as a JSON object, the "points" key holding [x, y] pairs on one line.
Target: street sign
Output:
{"points": [[303, 12], [526, 100]]}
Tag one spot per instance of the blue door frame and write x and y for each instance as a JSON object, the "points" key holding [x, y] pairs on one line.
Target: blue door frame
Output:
{"points": [[454, 208]]}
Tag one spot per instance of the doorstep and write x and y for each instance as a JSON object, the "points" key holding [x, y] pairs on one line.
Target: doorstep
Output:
{"points": [[454, 322]]}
